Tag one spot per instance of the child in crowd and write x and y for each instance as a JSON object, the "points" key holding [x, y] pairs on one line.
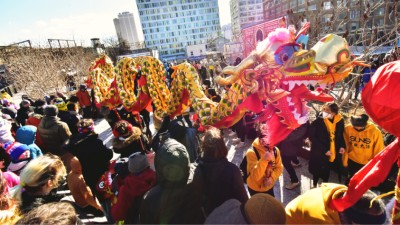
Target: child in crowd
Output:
{"points": [[140, 179]]}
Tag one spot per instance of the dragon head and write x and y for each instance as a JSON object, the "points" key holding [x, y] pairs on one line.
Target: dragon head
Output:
{"points": [[285, 86], [327, 62]]}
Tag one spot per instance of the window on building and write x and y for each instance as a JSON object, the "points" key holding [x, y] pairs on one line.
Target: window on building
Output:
{"points": [[354, 26], [191, 53], [354, 14], [327, 5], [342, 15], [379, 22], [379, 11], [312, 7], [326, 18]]}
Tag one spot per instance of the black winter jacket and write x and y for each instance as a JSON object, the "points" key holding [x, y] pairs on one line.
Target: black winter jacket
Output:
{"points": [[222, 181], [320, 144]]}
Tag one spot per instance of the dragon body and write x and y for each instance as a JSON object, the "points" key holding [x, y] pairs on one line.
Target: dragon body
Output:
{"points": [[272, 81]]}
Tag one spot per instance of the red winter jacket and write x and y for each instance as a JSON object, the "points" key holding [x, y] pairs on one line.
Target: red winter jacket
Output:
{"points": [[34, 120], [132, 188], [84, 98]]}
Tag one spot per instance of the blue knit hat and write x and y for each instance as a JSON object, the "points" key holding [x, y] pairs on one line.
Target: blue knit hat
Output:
{"points": [[15, 150]]}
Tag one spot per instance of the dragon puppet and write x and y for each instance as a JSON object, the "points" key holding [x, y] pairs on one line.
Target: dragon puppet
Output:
{"points": [[272, 81]]}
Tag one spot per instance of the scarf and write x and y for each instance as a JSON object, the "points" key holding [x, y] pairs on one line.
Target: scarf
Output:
{"points": [[331, 130]]}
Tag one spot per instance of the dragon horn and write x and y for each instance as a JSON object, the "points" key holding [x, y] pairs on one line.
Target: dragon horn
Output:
{"points": [[236, 71], [303, 30]]}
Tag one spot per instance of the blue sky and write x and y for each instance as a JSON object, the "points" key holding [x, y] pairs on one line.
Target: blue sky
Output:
{"points": [[81, 20]]}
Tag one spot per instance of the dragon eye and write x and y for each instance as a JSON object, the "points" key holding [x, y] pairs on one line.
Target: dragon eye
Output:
{"points": [[284, 53], [284, 57]]}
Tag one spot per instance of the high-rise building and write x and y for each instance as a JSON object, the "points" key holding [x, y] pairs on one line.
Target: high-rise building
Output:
{"points": [[171, 25], [340, 16], [227, 31], [245, 13], [129, 31]]}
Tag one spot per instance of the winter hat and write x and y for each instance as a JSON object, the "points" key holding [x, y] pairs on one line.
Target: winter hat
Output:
{"points": [[61, 106], [264, 209], [85, 126], [39, 103], [124, 129], [137, 163], [50, 110], [15, 150], [360, 120]]}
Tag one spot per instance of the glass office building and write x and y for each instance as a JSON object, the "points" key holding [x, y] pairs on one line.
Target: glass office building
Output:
{"points": [[170, 26]]}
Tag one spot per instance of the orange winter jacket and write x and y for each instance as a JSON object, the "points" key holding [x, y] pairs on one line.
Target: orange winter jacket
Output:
{"points": [[81, 193], [257, 168]]}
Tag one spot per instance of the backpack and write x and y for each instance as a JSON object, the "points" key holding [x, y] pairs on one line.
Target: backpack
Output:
{"points": [[243, 164]]}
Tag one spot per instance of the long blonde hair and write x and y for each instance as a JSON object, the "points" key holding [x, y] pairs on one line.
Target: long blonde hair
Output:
{"points": [[37, 173]]}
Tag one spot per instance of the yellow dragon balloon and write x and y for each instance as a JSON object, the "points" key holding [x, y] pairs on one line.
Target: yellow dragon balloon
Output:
{"points": [[271, 81]]}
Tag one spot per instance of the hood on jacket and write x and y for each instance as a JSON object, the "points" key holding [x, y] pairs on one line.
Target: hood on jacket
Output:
{"points": [[332, 191], [26, 134], [368, 127], [172, 164]]}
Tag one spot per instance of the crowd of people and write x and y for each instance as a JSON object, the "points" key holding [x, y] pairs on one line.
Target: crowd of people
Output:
{"points": [[178, 175]]}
